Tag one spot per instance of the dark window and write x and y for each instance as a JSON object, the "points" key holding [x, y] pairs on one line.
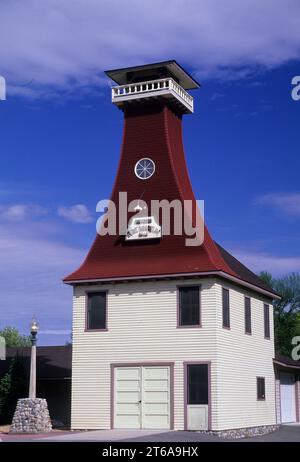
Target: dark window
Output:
{"points": [[189, 306], [261, 392], [197, 381], [247, 315], [226, 308], [96, 314], [267, 321]]}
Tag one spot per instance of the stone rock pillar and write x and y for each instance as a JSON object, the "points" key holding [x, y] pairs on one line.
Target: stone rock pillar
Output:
{"points": [[31, 416]]}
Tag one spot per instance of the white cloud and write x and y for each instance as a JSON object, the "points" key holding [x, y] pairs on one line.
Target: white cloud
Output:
{"points": [[289, 203], [261, 261], [31, 271], [78, 213], [63, 44], [20, 212], [54, 332]]}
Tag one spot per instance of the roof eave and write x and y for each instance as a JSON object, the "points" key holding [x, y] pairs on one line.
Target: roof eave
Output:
{"points": [[221, 274], [280, 363], [193, 83]]}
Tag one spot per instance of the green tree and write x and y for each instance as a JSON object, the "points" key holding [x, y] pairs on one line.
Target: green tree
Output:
{"points": [[13, 386], [13, 338], [286, 310]]}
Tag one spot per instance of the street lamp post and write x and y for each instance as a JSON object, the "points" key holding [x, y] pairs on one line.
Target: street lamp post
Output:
{"points": [[31, 414], [34, 327]]}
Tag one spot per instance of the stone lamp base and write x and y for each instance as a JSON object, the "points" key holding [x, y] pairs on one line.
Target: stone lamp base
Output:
{"points": [[31, 416]]}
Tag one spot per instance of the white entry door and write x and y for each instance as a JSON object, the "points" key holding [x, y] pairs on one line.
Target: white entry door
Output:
{"points": [[287, 397], [142, 397]]}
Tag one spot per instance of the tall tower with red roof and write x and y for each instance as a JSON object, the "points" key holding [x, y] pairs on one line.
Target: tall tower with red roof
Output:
{"points": [[152, 167], [170, 331]]}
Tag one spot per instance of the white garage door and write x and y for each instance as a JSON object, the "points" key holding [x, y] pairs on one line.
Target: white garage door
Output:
{"points": [[288, 397], [142, 397]]}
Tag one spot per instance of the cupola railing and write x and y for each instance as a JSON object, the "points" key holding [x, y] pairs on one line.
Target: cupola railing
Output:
{"points": [[153, 88]]}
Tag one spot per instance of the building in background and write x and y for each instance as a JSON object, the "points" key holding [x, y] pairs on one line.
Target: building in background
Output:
{"points": [[53, 381]]}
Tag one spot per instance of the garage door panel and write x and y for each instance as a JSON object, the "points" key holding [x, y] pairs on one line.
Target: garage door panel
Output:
{"points": [[156, 373], [128, 385], [156, 396], [127, 421], [128, 373], [128, 408], [153, 385], [128, 396], [156, 408], [142, 397]]}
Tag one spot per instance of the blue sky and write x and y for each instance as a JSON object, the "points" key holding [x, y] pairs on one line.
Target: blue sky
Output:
{"points": [[60, 134]]}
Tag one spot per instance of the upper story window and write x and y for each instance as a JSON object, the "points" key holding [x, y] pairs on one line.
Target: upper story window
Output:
{"points": [[96, 310], [189, 306], [267, 320], [261, 388], [248, 327], [225, 308]]}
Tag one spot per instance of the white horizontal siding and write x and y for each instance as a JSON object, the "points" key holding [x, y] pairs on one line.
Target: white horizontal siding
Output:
{"points": [[142, 326], [242, 358]]}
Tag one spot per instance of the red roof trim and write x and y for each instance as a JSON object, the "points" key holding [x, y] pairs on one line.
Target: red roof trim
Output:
{"points": [[220, 274]]}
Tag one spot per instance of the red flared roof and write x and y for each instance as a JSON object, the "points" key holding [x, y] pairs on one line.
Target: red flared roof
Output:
{"points": [[155, 131]]}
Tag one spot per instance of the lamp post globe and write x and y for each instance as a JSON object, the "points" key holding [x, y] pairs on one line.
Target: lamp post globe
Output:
{"points": [[34, 327]]}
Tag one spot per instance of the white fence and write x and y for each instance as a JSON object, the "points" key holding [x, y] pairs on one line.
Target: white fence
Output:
{"points": [[152, 88]]}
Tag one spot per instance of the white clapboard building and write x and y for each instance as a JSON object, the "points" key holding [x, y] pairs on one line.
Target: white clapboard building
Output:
{"points": [[167, 335]]}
